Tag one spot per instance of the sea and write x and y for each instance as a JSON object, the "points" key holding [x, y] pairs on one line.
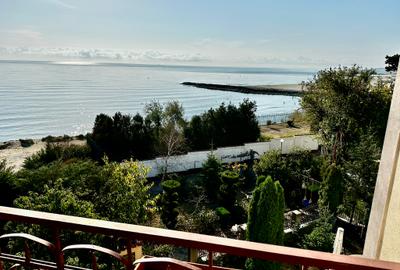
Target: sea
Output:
{"points": [[40, 98]]}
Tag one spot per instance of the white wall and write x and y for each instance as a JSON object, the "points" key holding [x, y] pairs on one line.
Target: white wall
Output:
{"points": [[195, 160]]}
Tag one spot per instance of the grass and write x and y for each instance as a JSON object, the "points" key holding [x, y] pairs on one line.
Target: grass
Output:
{"points": [[282, 130]]}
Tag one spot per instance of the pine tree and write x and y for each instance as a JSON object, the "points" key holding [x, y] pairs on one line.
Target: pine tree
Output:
{"points": [[266, 220]]}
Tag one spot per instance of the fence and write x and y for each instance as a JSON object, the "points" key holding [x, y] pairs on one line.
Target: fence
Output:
{"points": [[277, 118], [195, 160]]}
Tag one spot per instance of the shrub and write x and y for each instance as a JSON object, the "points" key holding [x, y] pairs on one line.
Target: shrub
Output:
{"points": [[54, 152], [169, 203], [321, 238], [26, 142], [55, 139], [7, 184], [211, 171], [224, 216], [228, 189]]}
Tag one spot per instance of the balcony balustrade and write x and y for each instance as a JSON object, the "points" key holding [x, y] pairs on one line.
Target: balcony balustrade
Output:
{"points": [[58, 224]]}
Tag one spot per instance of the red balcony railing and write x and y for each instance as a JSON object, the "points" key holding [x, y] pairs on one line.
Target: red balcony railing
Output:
{"points": [[59, 223]]}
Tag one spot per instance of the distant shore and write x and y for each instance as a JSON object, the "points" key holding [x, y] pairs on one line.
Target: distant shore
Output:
{"points": [[277, 89]]}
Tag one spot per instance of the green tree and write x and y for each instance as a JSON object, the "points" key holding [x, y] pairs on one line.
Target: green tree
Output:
{"points": [[392, 62], [211, 170], [331, 190], [57, 199], [226, 125], [292, 169], [343, 103], [265, 219], [169, 203], [124, 196]]}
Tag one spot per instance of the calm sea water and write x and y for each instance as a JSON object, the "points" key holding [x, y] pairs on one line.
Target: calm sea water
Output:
{"points": [[42, 98]]}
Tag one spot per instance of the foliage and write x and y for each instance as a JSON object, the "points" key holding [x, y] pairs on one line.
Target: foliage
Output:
{"points": [[202, 220], [211, 170], [7, 184], [392, 62], [266, 219], [83, 176], [57, 199], [348, 108], [228, 189], [331, 190], [292, 170], [225, 126], [26, 142], [56, 151], [362, 169], [121, 137], [124, 196], [343, 103], [169, 203], [321, 238], [53, 139], [224, 216]]}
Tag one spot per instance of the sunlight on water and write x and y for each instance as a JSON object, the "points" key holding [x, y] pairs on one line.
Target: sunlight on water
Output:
{"points": [[42, 98]]}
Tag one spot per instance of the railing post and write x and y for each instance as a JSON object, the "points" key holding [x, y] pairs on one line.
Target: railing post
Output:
{"points": [[193, 254], [129, 254], [210, 259], [58, 250], [94, 261]]}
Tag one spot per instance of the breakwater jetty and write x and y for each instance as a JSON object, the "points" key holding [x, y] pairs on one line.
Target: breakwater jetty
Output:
{"points": [[279, 89]]}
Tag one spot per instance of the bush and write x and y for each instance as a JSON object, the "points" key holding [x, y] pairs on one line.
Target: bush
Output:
{"points": [[7, 184], [54, 152], [26, 142], [211, 171], [55, 139], [224, 216], [291, 170], [228, 189], [321, 238], [169, 203]]}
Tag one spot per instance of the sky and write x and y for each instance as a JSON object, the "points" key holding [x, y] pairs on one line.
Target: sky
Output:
{"points": [[284, 33]]}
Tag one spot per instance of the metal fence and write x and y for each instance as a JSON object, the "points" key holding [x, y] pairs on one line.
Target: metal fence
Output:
{"points": [[276, 117]]}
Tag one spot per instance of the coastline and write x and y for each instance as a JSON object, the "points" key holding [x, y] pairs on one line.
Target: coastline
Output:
{"points": [[15, 154], [277, 89]]}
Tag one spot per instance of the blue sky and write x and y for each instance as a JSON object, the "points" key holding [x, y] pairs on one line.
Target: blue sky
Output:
{"points": [[287, 33]]}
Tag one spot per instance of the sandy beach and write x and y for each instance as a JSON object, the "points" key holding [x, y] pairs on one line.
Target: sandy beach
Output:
{"points": [[15, 154]]}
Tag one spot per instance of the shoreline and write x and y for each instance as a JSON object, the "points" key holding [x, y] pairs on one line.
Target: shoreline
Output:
{"points": [[14, 153], [278, 89]]}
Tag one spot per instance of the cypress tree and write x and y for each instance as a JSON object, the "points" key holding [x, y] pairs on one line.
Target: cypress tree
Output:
{"points": [[266, 219], [331, 192], [169, 201], [228, 189]]}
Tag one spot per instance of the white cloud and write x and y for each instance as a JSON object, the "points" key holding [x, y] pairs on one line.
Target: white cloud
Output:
{"points": [[103, 54]]}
